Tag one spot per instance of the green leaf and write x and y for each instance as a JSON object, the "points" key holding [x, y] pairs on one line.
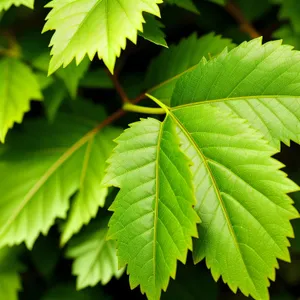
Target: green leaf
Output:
{"points": [[152, 31], [95, 258], [53, 157], [94, 27], [91, 193], [10, 281], [288, 35], [186, 4], [54, 95], [72, 74], [18, 85], [290, 9], [6, 4], [259, 83], [165, 70], [154, 220], [67, 291], [220, 2], [97, 79]]}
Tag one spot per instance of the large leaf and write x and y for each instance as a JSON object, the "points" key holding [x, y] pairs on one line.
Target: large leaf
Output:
{"points": [[94, 26], [154, 220], [256, 82], [40, 169], [95, 258], [6, 4], [165, 70], [18, 86], [10, 281]]}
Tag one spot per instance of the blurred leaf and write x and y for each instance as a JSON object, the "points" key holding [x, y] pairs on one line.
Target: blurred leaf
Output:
{"points": [[53, 98], [186, 4], [289, 37], [97, 80], [152, 31], [45, 255], [6, 4], [67, 291], [95, 257], [10, 281]]}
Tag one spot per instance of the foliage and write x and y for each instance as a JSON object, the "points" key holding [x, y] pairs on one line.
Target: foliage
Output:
{"points": [[169, 156]]}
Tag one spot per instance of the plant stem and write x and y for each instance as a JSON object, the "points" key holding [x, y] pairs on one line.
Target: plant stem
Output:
{"points": [[142, 109], [238, 15], [118, 87]]}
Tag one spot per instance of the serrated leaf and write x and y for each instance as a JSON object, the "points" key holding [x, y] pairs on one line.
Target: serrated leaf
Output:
{"points": [[153, 220], [39, 173], [186, 4], [95, 257], [92, 193], [10, 281], [259, 83], [165, 70], [6, 4], [236, 183], [18, 85], [94, 26], [152, 31]]}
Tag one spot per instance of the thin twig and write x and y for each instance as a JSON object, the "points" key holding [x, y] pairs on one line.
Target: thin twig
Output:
{"points": [[238, 15], [118, 87]]}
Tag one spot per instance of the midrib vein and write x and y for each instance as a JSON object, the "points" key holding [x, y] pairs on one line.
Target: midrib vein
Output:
{"points": [[215, 186]]}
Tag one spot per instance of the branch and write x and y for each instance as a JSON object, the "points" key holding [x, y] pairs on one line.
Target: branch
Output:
{"points": [[118, 87], [238, 15]]}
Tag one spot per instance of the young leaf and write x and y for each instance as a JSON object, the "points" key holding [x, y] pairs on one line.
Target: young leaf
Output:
{"points": [[91, 193], [94, 27], [165, 70], [256, 82], [6, 4], [186, 4], [10, 281], [41, 173], [152, 31], [154, 220], [95, 258], [18, 85]]}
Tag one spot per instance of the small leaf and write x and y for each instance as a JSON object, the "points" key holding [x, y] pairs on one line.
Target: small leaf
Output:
{"points": [[10, 281], [72, 74], [97, 79], [94, 27], [6, 4], [152, 31], [95, 258], [18, 85], [154, 220], [186, 4]]}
